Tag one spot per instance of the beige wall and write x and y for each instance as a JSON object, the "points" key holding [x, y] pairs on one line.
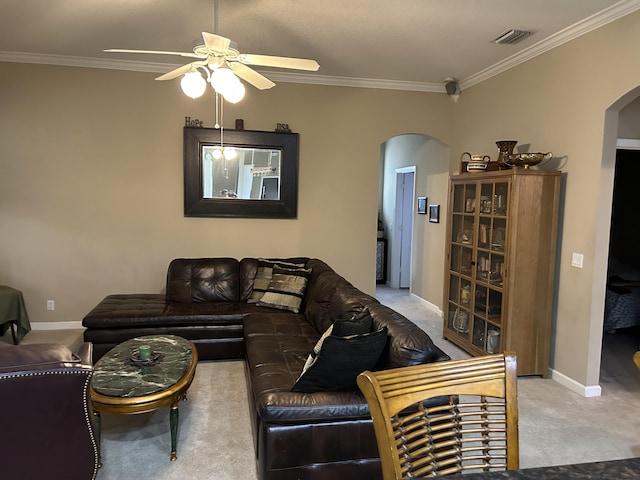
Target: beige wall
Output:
{"points": [[557, 102], [91, 180]]}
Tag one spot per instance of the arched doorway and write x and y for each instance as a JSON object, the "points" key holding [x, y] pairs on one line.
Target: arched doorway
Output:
{"points": [[614, 125], [427, 159]]}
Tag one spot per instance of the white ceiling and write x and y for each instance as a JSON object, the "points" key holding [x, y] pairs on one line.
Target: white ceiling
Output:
{"points": [[405, 44]]}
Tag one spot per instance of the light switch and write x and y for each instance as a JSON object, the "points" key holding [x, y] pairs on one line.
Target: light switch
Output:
{"points": [[577, 259]]}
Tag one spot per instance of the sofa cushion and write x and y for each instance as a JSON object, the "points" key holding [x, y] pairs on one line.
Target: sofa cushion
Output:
{"points": [[274, 322], [203, 280], [340, 360], [286, 289], [152, 310]]}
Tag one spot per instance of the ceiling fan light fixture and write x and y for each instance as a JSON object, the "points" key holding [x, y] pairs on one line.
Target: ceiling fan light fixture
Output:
{"points": [[234, 93], [224, 66], [227, 84], [193, 85], [221, 78]]}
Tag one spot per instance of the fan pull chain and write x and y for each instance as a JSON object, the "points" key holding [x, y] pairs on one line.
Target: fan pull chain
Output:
{"points": [[217, 124]]}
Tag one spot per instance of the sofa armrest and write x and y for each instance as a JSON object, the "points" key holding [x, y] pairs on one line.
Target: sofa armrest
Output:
{"points": [[39, 356]]}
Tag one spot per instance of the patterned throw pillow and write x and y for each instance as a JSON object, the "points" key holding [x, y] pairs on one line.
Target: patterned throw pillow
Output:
{"points": [[263, 277], [286, 289]]}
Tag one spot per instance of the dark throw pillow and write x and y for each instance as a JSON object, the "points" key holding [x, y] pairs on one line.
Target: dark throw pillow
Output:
{"points": [[286, 289], [357, 325], [340, 361]]}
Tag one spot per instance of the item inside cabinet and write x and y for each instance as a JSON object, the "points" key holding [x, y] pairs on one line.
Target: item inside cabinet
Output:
{"points": [[464, 236], [461, 321]]}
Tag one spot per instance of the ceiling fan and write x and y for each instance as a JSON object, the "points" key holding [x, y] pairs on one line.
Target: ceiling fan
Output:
{"points": [[223, 63]]}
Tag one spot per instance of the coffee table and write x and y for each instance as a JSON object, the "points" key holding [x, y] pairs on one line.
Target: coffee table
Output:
{"points": [[122, 383]]}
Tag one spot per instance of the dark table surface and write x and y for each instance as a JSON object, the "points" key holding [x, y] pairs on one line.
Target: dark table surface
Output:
{"points": [[607, 470]]}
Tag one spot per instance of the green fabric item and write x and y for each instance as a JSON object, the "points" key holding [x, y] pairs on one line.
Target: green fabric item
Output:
{"points": [[12, 309]]}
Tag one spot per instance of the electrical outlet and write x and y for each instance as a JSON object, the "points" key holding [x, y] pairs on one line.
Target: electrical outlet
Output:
{"points": [[51, 305], [577, 259]]}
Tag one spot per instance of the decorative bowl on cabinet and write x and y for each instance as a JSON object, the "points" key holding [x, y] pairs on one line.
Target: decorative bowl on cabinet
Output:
{"points": [[527, 160]]}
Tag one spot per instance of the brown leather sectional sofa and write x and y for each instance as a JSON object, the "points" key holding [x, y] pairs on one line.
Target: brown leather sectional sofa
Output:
{"points": [[319, 435]]}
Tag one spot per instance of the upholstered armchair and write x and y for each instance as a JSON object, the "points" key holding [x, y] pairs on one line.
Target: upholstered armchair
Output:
{"points": [[45, 414]]}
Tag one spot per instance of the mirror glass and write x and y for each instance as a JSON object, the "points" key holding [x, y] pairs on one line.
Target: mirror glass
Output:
{"points": [[246, 173], [258, 176]]}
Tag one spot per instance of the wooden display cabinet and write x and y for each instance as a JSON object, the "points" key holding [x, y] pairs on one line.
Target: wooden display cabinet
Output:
{"points": [[500, 264]]}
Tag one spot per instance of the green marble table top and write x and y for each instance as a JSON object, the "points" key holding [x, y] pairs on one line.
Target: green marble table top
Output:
{"points": [[115, 376]]}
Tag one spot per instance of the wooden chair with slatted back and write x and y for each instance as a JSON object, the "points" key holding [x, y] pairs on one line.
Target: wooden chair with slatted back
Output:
{"points": [[475, 430]]}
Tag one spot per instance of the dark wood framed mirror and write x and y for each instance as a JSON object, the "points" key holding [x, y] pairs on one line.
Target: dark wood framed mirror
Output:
{"points": [[254, 174]]}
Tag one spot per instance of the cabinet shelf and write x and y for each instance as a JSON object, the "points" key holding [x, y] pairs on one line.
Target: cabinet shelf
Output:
{"points": [[501, 231]]}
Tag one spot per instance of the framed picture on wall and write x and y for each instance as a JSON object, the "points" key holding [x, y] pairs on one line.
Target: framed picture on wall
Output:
{"points": [[422, 205], [434, 213]]}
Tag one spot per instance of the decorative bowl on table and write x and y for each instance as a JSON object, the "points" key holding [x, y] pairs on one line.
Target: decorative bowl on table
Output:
{"points": [[527, 160]]}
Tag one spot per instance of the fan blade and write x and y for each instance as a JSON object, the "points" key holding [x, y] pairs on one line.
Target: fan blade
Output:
{"points": [[216, 43], [250, 75], [280, 62], [189, 67], [153, 52]]}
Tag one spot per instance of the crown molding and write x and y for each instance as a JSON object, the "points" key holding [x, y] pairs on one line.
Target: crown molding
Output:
{"points": [[152, 67], [587, 25], [354, 82], [68, 61], [608, 15]]}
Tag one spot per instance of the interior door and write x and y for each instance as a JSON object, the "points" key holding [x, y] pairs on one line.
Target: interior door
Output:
{"points": [[404, 221]]}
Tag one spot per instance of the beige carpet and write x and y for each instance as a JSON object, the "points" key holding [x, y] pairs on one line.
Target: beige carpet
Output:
{"points": [[557, 426], [214, 434]]}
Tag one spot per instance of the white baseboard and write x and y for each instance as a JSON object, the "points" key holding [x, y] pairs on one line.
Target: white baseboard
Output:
{"points": [[571, 384], [56, 325], [431, 306]]}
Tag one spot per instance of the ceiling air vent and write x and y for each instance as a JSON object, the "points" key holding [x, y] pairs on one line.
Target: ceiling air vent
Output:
{"points": [[512, 36]]}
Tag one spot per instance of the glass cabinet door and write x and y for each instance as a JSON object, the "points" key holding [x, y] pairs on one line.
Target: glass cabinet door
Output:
{"points": [[477, 263]]}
